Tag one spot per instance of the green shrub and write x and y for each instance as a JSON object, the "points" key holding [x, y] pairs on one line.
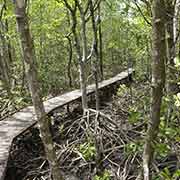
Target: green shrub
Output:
{"points": [[105, 176]]}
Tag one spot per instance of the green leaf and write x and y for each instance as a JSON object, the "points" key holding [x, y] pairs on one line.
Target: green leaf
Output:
{"points": [[134, 116], [162, 149], [177, 61], [177, 174]]}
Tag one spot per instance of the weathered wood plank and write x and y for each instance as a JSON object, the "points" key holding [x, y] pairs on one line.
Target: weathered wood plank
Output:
{"points": [[20, 121]]}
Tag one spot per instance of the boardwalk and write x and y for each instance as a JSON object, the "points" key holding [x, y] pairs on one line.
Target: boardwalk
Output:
{"points": [[20, 121]]}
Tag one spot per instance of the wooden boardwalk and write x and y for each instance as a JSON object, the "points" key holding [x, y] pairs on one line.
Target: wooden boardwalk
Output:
{"points": [[11, 127]]}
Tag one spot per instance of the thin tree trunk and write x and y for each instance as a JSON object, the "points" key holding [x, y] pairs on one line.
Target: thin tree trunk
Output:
{"points": [[98, 141], [148, 65], [100, 44], [96, 54], [5, 51], [4, 65], [41, 36], [82, 57], [4, 72], [170, 12], [83, 85], [69, 61], [172, 86], [31, 73], [158, 81], [70, 50], [8, 39], [177, 27]]}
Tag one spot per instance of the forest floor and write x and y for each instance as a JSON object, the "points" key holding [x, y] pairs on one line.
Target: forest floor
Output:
{"points": [[109, 143]]}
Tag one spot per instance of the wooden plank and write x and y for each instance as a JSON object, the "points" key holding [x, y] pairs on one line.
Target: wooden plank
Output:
{"points": [[20, 121]]}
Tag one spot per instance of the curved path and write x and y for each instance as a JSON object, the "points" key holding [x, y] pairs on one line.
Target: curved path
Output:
{"points": [[11, 127]]}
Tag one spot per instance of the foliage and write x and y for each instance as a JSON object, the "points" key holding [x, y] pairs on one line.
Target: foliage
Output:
{"points": [[105, 176], [162, 149], [49, 22], [177, 62], [137, 111], [166, 175], [134, 115], [88, 150], [122, 90], [177, 100], [169, 130], [133, 147]]}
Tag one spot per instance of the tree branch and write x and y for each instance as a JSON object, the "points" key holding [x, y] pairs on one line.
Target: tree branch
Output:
{"points": [[144, 17], [95, 6]]}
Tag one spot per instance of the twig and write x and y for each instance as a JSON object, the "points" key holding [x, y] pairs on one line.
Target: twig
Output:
{"points": [[104, 115], [144, 17]]}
